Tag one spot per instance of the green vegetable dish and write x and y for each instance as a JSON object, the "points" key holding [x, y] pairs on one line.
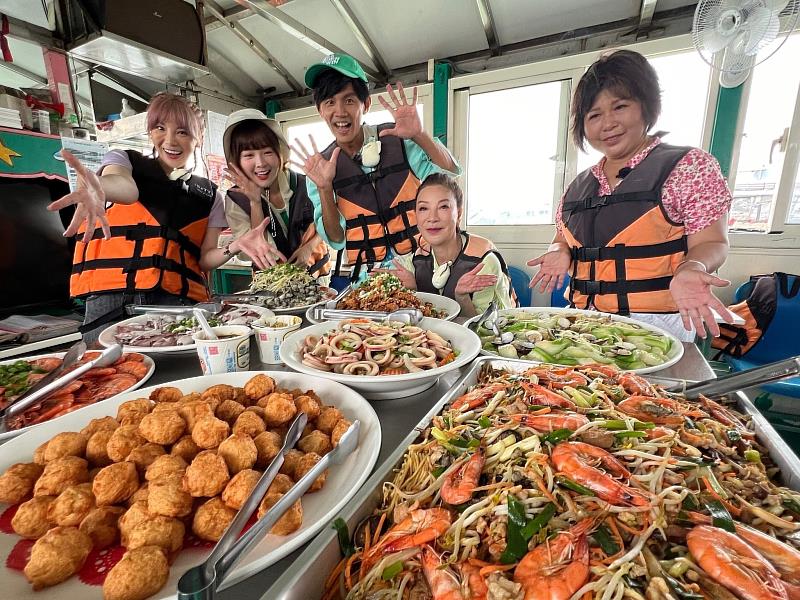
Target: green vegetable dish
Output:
{"points": [[575, 339]]}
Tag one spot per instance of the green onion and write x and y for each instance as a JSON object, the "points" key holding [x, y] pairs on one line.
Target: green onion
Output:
{"points": [[345, 544], [753, 456], [558, 435], [392, 570], [620, 424], [720, 517], [791, 503], [536, 524], [604, 539], [630, 434], [484, 422], [575, 487]]}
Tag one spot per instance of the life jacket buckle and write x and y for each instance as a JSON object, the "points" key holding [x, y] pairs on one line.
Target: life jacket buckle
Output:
{"points": [[589, 287], [587, 254]]}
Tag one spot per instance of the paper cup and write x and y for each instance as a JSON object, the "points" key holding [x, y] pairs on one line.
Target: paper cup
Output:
{"points": [[270, 333], [225, 355]]}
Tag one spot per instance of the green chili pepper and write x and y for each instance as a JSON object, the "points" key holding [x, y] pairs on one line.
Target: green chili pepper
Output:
{"points": [[516, 545], [558, 435], [630, 434], [575, 487], [437, 472], [536, 524]]}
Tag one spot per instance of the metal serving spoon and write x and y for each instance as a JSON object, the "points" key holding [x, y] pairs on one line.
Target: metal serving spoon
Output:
{"points": [[411, 316]]}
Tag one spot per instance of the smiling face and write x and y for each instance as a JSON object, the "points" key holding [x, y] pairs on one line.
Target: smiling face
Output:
{"points": [[615, 126], [261, 166], [344, 112], [173, 143], [437, 214]]}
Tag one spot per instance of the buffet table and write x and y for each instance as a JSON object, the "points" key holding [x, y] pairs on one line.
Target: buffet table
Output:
{"points": [[398, 417]]}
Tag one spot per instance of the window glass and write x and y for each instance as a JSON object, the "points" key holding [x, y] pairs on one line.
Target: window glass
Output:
{"points": [[794, 207], [770, 107], [515, 170], [683, 78]]}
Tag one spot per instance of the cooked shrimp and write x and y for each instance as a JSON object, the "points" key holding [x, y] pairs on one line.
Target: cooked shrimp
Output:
{"points": [[558, 378], [536, 394], [557, 568], [471, 574], [419, 527], [661, 411], [636, 385], [478, 396], [735, 564], [549, 423], [46, 364], [459, 485], [442, 581], [579, 462]]}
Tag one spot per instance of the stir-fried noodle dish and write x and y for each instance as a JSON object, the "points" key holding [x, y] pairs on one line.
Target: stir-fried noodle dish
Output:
{"points": [[361, 347], [385, 293], [578, 483]]}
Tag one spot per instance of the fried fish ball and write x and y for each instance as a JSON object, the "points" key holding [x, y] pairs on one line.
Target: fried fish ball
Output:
{"points": [[144, 455], [115, 483], [209, 432], [259, 386], [206, 476], [228, 411], [165, 407], [281, 484], [66, 443], [255, 409], [59, 474], [16, 484], [167, 497], [239, 452], [341, 427], [212, 519], [157, 530], [291, 520], [30, 520], [139, 495], [241, 396], [163, 427], [278, 408], [38, 454], [132, 517], [268, 444], [194, 411], [291, 460], [189, 397], [239, 488], [124, 439], [308, 405], [166, 466], [72, 505], [304, 465], [97, 448], [56, 556], [327, 418], [316, 442], [141, 573], [133, 411], [249, 423], [101, 525], [101, 424], [166, 394], [221, 390], [185, 448]]}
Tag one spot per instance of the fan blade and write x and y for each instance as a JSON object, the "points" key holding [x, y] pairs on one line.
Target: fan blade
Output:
{"points": [[776, 6], [713, 40], [760, 28]]}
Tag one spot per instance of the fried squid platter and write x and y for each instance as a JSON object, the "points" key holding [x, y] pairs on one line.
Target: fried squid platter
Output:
{"points": [[577, 483], [361, 347]]}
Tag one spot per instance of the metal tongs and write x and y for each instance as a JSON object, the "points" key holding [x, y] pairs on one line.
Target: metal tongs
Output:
{"points": [[209, 309], [107, 357], [201, 582], [775, 371], [412, 316]]}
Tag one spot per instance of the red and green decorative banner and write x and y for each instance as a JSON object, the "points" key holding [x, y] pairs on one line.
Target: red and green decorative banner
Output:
{"points": [[27, 154]]}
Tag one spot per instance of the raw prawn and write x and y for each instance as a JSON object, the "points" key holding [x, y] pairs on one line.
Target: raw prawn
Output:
{"points": [[459, 485], [662, 411], [579, 461]]}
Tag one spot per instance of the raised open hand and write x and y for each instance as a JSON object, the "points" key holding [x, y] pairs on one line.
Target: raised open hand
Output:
{"points": [[246, 185], [89, 198], [255, 245], [691, 289], [471, 282], [553, 267], [315, 166], [407, 123]]}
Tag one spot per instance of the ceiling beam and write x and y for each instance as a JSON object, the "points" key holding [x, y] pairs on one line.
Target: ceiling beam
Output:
{"points": [[299, 31], [237, 13], [360, 34], [646, 14], [489, 29], [260, 51], [22, 71]]}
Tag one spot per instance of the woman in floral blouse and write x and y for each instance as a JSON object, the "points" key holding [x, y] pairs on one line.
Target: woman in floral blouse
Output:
{"points": [[642, 232]]}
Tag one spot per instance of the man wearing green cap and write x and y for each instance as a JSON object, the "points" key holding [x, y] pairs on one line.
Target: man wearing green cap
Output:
{"points": [[364, 184]]}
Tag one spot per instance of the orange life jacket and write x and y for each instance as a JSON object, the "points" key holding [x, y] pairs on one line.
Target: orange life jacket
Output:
{"points": [[155, 242], [475, 249], [378, 207], [624, 247]]}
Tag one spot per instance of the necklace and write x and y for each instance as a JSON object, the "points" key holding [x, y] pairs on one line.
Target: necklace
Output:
{"points": [[441, 274]]}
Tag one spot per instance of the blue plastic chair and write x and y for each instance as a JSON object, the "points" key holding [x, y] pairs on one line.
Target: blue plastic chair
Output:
{"points": [[519, 281], [557, 296], [779, 341]]}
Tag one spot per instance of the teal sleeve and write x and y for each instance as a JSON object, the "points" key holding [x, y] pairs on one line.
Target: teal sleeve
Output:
{"points": [[422, 165], [313, 195]]}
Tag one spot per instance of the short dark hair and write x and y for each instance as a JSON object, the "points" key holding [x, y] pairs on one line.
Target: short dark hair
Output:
{"points": [[445, 181], [330, 82], [626, 74], [252, 135]]}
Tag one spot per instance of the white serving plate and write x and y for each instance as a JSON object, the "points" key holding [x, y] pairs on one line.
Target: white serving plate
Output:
{"points": [[387, 387], [319, 508], [450, 307], [674, 355], [106, 338], [151, 367]]}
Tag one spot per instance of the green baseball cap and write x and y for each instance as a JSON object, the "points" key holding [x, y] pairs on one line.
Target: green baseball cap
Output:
{"points": [[344, 63]]}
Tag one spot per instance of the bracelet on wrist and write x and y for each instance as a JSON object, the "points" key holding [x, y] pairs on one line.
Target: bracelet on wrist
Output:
{"points": [[691, 260], [226, 250]]}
